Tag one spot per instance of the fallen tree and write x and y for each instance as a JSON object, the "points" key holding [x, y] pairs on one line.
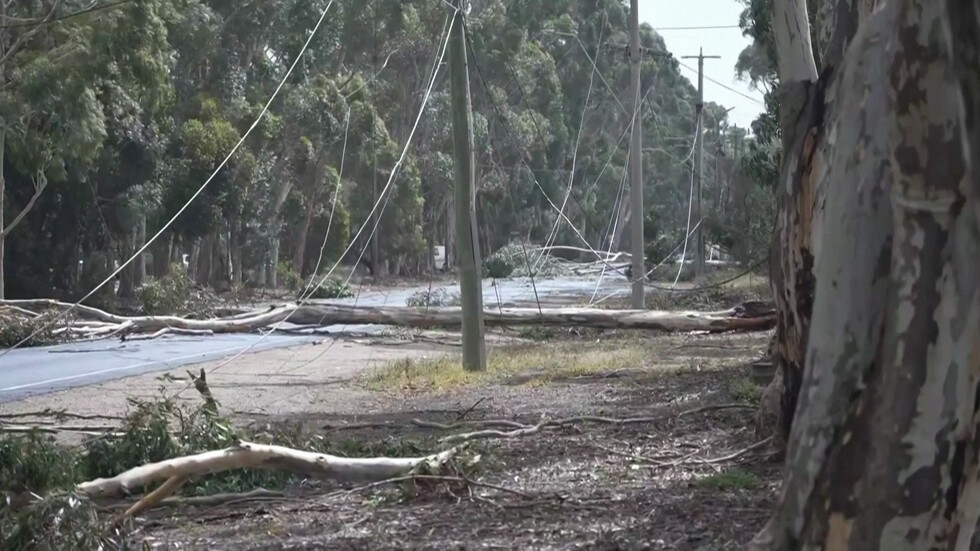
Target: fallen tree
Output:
{"points": [[86, 321]]}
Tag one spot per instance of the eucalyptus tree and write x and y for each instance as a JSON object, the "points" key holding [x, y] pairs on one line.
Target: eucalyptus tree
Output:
{"points": [[880, 223]]}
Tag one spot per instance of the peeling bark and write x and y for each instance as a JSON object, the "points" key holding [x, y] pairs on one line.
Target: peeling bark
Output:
{"points": [[806, 102], [884, 451]]}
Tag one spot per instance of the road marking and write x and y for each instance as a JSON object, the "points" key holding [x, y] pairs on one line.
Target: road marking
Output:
{"points": [[111, 370]]}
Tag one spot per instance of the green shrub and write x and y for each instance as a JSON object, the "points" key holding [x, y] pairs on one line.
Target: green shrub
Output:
{"points": [[34, 462], [331, 288], [166, 295], [498, 267]]}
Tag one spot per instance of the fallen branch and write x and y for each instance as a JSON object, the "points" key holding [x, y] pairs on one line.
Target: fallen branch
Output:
{"points": [[260, 456], [58, 414], [735, 455], [169, 331], [521, 429], [48, 429], [490, 433], [151, 499], [259, 494]]}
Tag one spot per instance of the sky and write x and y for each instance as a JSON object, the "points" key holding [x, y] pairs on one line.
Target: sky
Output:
{"points": [[727, 43]]}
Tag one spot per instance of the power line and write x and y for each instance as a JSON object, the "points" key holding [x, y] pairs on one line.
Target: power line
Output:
{"points": [[437, 62], [725, 86], [39, 22], [697, 28], [200, 190]]}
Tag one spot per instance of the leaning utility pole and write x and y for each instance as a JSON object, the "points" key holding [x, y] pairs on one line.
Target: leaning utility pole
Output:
{"points": [[468, 256], [636, 163], [699, 168]]}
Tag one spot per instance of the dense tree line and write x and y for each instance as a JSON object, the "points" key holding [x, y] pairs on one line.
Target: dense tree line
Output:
{"points": [[113, 118]]}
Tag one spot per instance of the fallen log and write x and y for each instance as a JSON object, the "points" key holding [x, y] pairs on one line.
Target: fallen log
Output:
{"points": [[735, 319], [261, 456], [747, 317]]}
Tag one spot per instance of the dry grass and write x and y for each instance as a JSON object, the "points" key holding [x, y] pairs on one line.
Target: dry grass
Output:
{"points": [[534, 364]]}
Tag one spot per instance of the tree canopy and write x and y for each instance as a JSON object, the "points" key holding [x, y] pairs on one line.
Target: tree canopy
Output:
{"points": [[123, 113]]}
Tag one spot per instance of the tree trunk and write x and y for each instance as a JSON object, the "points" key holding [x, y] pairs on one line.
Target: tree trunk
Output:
{"points": [[884, 450], [803, 110], [128, 274], [450, 258], [205, 254], [140, 262], [272, 277], [3, 189], [299, 247]]}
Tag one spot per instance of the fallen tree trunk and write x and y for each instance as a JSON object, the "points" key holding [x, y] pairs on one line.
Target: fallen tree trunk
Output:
{"points": [[747, 317], [726, 320]]}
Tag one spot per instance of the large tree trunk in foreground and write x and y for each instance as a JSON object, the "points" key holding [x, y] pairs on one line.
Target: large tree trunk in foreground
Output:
{"points": [[803, 110], [749, 317], [884, 450]]}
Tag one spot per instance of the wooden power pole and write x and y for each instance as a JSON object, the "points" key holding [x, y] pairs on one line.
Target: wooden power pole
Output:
{"points": [[468, 246], [636, 164], [699, 168]]}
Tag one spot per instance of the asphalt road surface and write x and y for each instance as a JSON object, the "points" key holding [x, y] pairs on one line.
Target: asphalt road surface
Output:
{"points": [[28, 371]]}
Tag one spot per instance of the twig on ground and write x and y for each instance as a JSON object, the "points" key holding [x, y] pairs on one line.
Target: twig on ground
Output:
{"points": [[58, 414], [735, 455], [482, 423], [49, 429], [491, 433], [463, 414], [259, 494], [638, 457]]}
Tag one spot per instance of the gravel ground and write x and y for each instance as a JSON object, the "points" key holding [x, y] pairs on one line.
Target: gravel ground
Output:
{"points": [[694, 480]]}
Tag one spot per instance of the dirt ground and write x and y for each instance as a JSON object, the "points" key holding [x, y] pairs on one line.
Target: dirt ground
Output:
{"points": [[690, 479]]}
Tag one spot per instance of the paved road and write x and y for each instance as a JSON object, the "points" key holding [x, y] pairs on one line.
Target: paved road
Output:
{"points": [[29, 371]]}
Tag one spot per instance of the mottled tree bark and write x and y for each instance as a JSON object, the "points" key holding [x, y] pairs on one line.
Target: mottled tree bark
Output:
{"points": [[884, 453], [804, 108]]}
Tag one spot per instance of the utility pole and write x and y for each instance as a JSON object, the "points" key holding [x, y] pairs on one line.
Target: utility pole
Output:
{"points": [[468, 254], [636, 164], [699, 168]]}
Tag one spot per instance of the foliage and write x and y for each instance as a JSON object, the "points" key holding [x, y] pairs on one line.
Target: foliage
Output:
{"points": [[520, 258], [129, 110], [33, 462], [497, 267], [16, 328], [288, 277], [434, 297], [330, 288], [166, 295], [154, 430]]}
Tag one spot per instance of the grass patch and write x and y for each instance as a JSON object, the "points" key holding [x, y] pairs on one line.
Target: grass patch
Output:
{"points": [[533, 364], [744, 390], [734, 479]]}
